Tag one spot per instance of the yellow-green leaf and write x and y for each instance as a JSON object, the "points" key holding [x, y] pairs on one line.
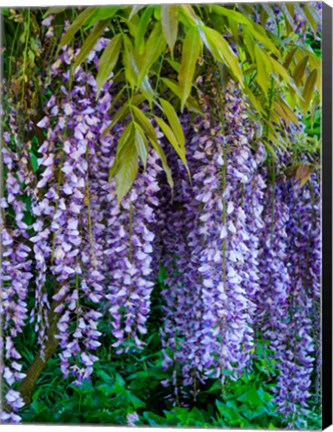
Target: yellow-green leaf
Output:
{"points": [[108, 61], [153, 49], [102, 13], [279, 70], [125, 136], [249, 43], [256, 104], [127, 170], [236, 16], [174, 64], [131, 70], [309, 88], [190, 53], [289, 57], [121, 113], [300, 70], [172, 140], [151, 134], [78, 22], [191, 103], [262, 78], [142, 28], [292, 117], [311, 13], [54, 10], [169, 134], [90, 42], [190, 16], [135, 9], [174, 122], [222, 51], [141, 144], [260, 34], [169, 16]]}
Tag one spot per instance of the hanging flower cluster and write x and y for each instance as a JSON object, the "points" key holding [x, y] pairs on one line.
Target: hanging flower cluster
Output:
{"points": [[236, 269], [16, 267], [98, 252], [241, 250], [301, 315], [209, 251]]}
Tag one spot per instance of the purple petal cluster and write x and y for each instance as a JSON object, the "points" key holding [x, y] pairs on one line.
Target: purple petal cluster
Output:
{"points": [[16, 267], [210, 248]]}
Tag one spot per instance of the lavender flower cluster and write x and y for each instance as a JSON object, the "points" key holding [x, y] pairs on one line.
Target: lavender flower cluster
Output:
{"points": [[90, 258], [16, 267], [241, 253], [242, 256], [213, 273]]}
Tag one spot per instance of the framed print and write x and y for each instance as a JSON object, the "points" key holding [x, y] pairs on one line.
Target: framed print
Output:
{"points": [[166, 215]]}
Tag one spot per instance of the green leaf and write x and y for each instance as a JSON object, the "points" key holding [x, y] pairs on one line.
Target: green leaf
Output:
{"points": [[125, 137], [80, 20], [262, 78], [142, 28], [34, 162], [191, 103], [251, 397], [311, 14], [300, 70], [135, 401], [141, 144], [171, 138], [169, 15], [285, 111], [129, 62], [236, 16], [222, 52], [189, 14], [289, 57], [116, 99], [121, 113], [90, 42], [132, 27], [135, 9], [174, 122], [259, 33], [309, 88], [249, 43], [127, 171], [174, 64], [153, 419], [279, 70], [251, 414], [151, 134], [102, 13], [54, 10], [108, 61], [190, 53], [154, 47], [234, 27]]}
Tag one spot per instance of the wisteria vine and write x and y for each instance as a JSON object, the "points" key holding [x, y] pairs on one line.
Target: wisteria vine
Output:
{"points": [[240, 242]]}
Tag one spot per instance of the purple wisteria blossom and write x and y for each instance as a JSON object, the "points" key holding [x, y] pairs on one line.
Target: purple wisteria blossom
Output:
{"points": [[16, 268], [211, 264]]}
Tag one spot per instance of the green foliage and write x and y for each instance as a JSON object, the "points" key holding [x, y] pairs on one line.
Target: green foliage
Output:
{"points": [[187, 37], [128, 383], [108, 61]]}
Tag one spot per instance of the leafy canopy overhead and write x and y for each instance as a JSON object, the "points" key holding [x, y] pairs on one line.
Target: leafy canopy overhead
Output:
{"points": [[161, 50]]}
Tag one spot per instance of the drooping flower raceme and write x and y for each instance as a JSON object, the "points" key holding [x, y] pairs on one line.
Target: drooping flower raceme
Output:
{"points": [[16, 270], [212, 277]]}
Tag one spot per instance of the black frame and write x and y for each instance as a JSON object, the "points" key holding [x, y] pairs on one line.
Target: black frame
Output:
{"points": [[327, 52]]}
